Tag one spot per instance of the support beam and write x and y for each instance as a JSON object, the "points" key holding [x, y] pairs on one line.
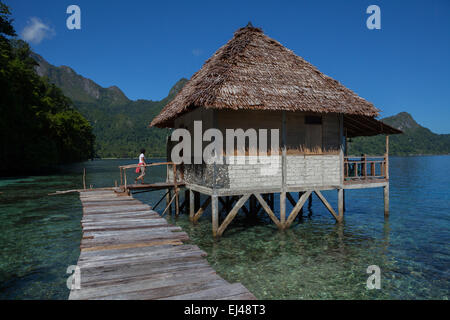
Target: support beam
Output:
{"points": [[232, 214], [168, 202], [327, 205], [300, 214], [215, 214], [268, 210], [386, 201], [297, 208], [283, 208], [191, 205], [202, 209], [341, 204]]}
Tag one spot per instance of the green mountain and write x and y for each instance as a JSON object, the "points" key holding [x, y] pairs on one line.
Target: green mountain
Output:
{"points": [[120, 124], [415, 139]]}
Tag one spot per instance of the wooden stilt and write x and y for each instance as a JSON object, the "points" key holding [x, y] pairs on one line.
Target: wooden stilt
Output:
{"points": [[191, 205], [341, 204], [268, 210], [300, 214], [84, 178], [272, 201], [386, 201], [232, 214], [215, 214], [168, 198], [326, 204], [202, 209], [283, 208], [297, 208]]}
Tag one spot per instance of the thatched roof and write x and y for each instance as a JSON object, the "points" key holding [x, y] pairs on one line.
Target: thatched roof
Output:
{"points": [[357, 125], [253, 71]]}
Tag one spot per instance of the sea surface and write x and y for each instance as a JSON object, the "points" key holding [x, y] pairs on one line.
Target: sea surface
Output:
{"points": [[315, 259]]}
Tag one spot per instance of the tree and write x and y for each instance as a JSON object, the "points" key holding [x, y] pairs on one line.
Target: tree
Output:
{"points": [[38, 125]]}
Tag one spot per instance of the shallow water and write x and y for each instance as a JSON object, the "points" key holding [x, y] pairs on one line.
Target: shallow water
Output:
{"points": [[315, 259]]}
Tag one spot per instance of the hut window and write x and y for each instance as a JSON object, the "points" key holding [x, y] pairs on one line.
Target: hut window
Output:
{"points": [[313, 120]]}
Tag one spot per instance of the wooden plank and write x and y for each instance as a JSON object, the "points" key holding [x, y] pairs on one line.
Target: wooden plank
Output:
{"points": [[100, 275], [110, 291], [129, 252], [133, 245], [224, 291]]}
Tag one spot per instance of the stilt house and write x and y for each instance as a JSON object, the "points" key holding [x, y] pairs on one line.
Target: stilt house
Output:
{"points": [[254, 82]]}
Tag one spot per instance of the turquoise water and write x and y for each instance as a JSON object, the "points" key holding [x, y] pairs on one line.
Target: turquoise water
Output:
{"points": [[314, 259]]}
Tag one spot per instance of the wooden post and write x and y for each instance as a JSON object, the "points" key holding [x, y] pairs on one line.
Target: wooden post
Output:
{"points": [[191, 205], [327, 205], [341, 204], [386, 188], [283, 209], [386, 201], [365, 167], [175, 189], [300, 214], [168, 198], [232, 214], [84, 178], [386, 167], [215, 214]]}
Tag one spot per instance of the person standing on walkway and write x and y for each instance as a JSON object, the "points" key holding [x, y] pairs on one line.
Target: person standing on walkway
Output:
{"points": [[141, 167]]}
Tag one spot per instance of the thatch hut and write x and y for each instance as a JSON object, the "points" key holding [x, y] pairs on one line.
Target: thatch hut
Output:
{"points": [[254, 82]]}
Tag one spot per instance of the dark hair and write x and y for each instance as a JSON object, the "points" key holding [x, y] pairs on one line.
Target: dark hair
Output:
{"points": [[142, 150]]}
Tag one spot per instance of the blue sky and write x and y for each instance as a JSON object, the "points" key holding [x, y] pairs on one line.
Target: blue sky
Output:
{"points": [[144, 47]]}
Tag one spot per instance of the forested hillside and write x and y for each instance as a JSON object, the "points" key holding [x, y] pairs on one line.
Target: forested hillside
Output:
{"points": [[415, 139], [39, 127], [120, 125]]}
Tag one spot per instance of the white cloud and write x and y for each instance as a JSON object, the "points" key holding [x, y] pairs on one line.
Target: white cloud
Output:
{"points": [[197, 52], [36, 31]]}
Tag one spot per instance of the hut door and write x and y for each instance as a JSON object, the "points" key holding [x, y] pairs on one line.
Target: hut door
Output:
{"points": [[313, 136]]}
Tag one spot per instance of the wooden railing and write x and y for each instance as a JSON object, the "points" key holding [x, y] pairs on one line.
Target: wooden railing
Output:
{"points": [[365, 168], [123, 173]]}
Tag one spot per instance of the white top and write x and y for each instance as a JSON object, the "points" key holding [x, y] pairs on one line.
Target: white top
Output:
{"points": [[141, 158]]}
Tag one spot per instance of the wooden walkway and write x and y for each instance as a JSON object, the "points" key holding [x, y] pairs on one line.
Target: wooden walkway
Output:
{"points": [[129, 252]]}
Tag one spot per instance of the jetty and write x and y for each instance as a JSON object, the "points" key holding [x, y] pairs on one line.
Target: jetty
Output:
{"points": [[128, 251]]}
